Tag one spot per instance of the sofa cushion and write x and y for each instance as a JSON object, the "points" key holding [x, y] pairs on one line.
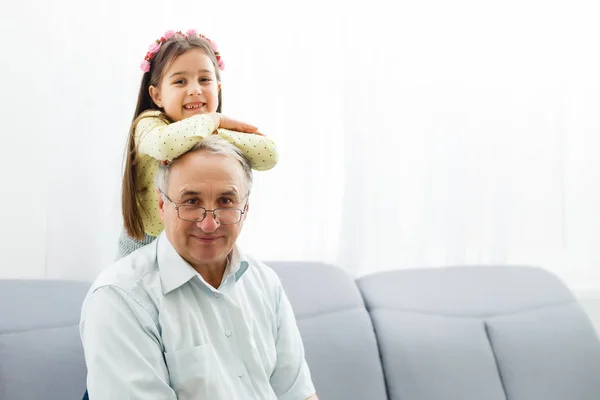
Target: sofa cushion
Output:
{"points": [[41, 356], [482, 333], [341, 349], [549, 352]]}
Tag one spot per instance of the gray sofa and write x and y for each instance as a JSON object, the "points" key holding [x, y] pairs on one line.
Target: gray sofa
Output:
{"points": [[462, 333]]}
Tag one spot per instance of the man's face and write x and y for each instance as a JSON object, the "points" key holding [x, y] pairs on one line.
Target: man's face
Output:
{"points": [[211, 181]]}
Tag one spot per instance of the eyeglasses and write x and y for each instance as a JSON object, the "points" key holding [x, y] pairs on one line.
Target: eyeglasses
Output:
{"points": [[193, 213]]}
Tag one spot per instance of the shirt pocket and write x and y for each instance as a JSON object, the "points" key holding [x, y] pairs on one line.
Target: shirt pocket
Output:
{"points": [[190, 372]]}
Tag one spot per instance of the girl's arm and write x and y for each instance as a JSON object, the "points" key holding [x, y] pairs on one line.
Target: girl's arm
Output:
{"points": [[260, 150], [165, 141]]}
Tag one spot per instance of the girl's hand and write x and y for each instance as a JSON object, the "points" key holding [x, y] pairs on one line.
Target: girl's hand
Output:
{"points": [[221, 121]]}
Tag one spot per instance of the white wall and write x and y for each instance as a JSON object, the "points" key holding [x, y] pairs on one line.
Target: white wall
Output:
{"points": [[27, 112], [473, 125]]}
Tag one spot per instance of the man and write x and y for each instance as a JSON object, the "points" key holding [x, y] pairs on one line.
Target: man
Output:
{"points": [[190, 316]]}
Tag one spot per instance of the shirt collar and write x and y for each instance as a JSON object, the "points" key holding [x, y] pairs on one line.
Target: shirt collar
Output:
{"points": [[238, 262], [175, 271]]}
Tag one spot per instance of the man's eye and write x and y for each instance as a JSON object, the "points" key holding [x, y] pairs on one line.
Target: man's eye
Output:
{"points": [[191, 202], [226, 201]]}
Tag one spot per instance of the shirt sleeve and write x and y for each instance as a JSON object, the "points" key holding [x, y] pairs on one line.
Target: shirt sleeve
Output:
{"points": [[123, 354], [260, 150], [291, 379], [165, 141]]}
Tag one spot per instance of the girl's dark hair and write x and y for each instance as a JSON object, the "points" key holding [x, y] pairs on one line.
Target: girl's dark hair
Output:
{"points": [[130, 188]]}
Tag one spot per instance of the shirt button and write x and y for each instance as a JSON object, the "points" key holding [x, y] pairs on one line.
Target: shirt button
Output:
{"points": [[240, 375], [217, 295], [228, 333]]}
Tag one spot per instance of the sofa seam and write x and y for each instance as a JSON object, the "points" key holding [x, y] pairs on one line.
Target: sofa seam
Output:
{"points": [[44, 328], [494, 355], [501, 314]]}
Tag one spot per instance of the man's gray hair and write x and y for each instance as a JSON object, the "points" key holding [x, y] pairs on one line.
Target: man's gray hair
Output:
{"points": [[213, 144]]}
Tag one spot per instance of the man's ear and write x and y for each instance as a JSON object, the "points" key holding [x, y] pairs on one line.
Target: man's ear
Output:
{"points": [[161, 205], [155, 94]]}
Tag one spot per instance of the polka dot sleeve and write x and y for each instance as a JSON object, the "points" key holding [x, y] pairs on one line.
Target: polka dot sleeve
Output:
{"points": [[260, 150], [163, 141]]}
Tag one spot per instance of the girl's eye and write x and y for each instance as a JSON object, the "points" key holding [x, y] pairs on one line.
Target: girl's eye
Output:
{"points": [[178, 82], [205, 80]]}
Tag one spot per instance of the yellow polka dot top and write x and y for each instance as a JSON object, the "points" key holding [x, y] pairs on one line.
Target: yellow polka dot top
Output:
{"points": [[156, 139]]}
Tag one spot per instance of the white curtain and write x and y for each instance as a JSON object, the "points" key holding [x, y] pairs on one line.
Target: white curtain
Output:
{"points": [[471, 137], [421, 134]]}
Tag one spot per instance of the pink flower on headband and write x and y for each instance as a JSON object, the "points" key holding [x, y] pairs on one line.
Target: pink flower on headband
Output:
{"points": [[154, 47], [213, 45], [145, 66]]}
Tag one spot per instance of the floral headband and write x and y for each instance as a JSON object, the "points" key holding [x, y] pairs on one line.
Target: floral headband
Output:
{"points": [[155, 47]]}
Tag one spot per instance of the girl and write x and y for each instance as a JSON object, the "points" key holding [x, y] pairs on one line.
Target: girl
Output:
{"points": [[179, 103]]}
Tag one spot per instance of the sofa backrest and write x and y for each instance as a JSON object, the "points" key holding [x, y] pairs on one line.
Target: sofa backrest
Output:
{"points": [[41, 356], [453, 333], [472, 333], [341, 349]]}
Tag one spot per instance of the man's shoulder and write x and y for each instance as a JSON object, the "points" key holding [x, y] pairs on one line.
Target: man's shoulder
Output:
{"points": [[134, 274], [130, 287], [262, 272]]}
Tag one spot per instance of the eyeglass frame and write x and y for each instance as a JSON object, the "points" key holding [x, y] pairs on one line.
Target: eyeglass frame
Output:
{"points": [[206, 211]]}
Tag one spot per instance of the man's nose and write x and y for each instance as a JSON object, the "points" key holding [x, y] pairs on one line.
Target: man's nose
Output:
{"points": [[208, 224]]}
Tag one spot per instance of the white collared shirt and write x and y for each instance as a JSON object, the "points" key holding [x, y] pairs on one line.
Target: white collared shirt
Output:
{"points": [[152, 328]]}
